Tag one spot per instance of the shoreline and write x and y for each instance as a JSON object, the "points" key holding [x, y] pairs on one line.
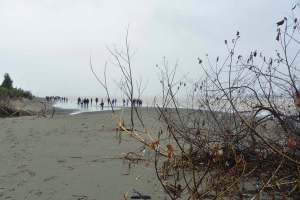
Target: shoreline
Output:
{"points": [[35, 105]]}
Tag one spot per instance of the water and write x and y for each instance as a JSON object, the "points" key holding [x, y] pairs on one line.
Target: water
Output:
{"points": [[220, 106], [72, 104], [147, 102]]}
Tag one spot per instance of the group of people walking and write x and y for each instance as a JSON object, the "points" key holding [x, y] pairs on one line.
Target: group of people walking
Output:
{"points": [[87, 101], [112, 102], [56, 98], [137, 102]]}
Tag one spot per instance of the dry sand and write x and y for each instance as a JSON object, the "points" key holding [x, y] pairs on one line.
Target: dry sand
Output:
{"points": [[70, 157]]}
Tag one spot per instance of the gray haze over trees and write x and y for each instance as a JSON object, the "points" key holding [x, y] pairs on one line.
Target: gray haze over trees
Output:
{"points": [[46, 45]]}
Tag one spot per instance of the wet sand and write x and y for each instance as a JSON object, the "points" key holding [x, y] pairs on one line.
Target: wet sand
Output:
{"points": [[35, 105], [70, 157]]}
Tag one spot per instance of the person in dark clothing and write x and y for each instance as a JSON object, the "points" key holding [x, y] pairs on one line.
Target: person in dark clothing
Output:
{"points": [[133, 102], [96, 100], [102, 104], [87, 101], [140, 102], [91, 101], [108, 101], [78, 100]]}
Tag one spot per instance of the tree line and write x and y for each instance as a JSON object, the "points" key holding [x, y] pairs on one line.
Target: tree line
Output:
{"points": [[7, 89]]}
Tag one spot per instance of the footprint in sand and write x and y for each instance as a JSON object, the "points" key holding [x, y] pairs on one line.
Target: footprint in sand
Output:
{"points": [[31, 173], [36, 192], [1, 192], [21, 183], [51, 192], [61, 161], [70, 168], [50, 179]]}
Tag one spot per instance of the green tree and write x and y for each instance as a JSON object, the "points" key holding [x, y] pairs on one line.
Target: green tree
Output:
{"points": [[7, 82]]}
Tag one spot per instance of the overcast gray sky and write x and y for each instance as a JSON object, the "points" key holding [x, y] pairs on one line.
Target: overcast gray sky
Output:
{"points": [[45, 44]]}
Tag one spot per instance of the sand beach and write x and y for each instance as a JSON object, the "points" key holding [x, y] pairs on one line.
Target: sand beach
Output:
{"points": [[70, 157]]}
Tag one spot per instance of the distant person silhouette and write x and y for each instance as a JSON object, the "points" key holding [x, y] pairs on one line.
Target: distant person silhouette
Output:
{"points": [[112, 101]]}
